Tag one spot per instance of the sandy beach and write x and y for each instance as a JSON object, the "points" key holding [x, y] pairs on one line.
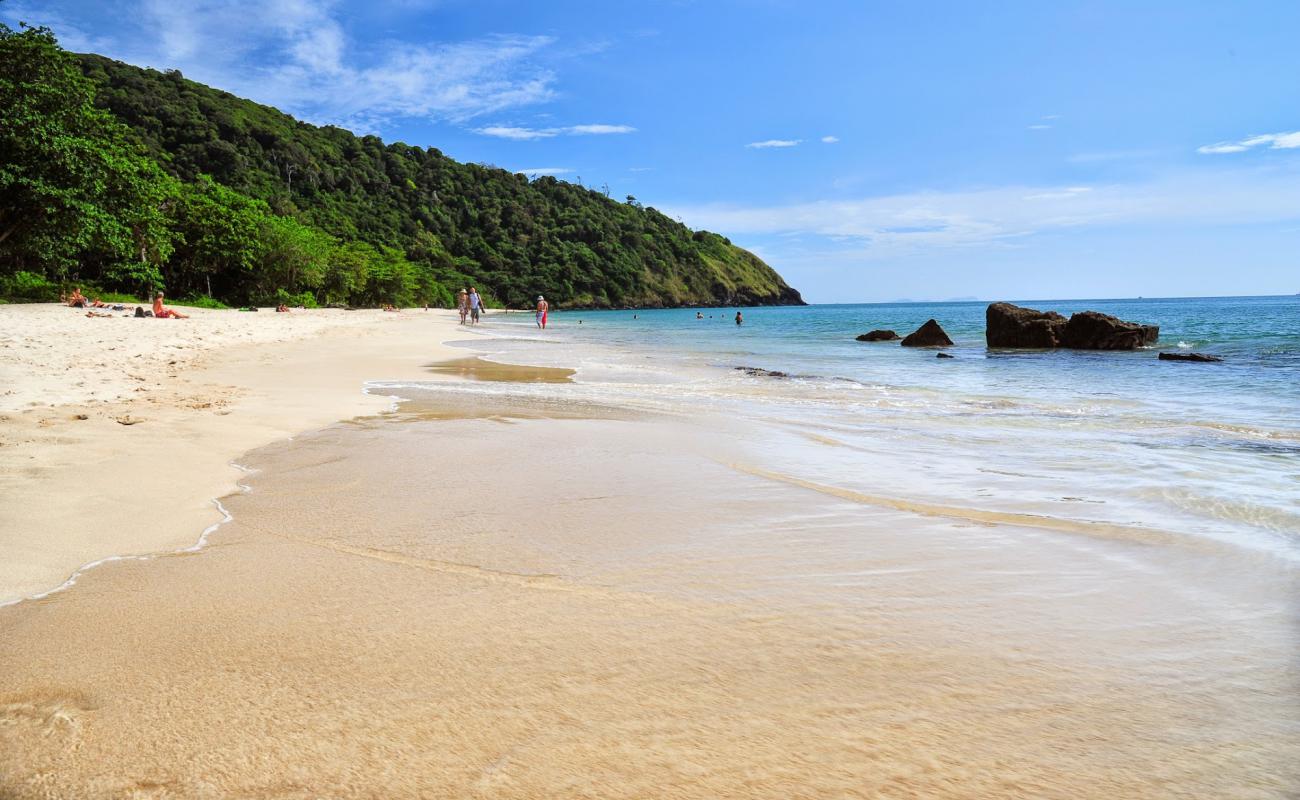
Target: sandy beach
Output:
{"points": [[116, 434], [521, 593]]}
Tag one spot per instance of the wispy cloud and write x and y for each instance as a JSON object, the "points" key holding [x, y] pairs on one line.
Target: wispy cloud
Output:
{"points": [[546, 170], [830, 139], [72, 36], [1039, 127], [894, 224], [298, 55], [597, 130], [526, 134], [1275, 141], [1059, 194], [774, 143]]}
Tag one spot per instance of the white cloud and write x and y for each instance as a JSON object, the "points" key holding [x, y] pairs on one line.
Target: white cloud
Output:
{"points": [[830, 139], [518, 134], [998, 217], [1039, 127], [546, 170], [774, 143], [525, 134], [639, 169], [598, 130], [299, 56], [1275, 141]]}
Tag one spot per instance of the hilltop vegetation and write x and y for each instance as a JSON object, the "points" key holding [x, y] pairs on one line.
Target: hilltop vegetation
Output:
{"points": [[132, 179]]}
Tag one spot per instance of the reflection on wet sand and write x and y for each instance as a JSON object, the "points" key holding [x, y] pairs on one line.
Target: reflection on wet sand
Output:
{"points": [[480, 369]]}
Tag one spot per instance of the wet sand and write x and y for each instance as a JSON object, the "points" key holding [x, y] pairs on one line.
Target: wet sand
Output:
{"points": [[480, 369], [476, 600]]}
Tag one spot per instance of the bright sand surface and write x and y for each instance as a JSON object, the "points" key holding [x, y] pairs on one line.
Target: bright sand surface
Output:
{"points": [[485, 596], [75, 490]]}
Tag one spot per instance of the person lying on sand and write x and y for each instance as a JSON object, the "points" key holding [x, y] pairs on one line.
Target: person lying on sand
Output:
{"points": [[282, 309], [162, 312]]}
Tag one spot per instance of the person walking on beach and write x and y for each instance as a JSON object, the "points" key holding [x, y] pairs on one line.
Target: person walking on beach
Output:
{"points": [[475, 302], [542, 308], [462, 305]]}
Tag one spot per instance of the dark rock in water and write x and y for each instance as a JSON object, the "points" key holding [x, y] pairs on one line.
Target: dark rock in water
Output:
{"points": [[759, 372], [943, 355], [1008, 325], [878, 336], [928, 335], [1188, 357], [1092, 330]]}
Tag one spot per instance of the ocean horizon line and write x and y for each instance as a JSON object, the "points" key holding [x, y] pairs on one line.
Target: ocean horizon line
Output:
{"points": [[1047, 300]]}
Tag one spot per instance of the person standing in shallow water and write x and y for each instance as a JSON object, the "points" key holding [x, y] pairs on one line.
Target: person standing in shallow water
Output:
{"points": [[739, 319], [542, 308], [475, 303]]}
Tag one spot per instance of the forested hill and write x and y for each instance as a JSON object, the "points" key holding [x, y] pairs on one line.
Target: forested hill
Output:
{"points": [[131, 179]]}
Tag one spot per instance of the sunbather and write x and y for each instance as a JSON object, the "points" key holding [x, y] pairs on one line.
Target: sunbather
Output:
{"points": [[162, 312]]}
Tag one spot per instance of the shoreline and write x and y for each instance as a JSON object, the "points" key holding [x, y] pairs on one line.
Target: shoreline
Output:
{"points": [[118, 435], [455, 645]]}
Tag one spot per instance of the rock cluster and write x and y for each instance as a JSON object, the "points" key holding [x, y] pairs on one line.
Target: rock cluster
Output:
{"points": [[1009, 325]]}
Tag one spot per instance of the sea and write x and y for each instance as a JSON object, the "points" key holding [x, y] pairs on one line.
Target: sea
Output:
{"points": [[1116, 444]]}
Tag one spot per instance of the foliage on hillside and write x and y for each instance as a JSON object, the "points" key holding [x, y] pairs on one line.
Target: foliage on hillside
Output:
{"points": [[134, 179]]}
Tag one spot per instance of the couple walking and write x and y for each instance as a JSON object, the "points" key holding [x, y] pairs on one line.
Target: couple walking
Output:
{"points": [[469, 304], [542, 308]]}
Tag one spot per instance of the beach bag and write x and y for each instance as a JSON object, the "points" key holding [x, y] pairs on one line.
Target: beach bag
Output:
{"points": [[139, 312]]}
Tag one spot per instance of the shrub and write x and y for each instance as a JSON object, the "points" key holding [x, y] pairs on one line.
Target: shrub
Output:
{"points": [[29, 287], [200, 302]]}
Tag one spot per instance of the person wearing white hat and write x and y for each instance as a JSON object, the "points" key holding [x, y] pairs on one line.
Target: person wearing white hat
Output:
{"points": [[542, 308]]}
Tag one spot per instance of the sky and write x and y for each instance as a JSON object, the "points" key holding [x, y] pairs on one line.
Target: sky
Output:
{"points": [[869, 151]]}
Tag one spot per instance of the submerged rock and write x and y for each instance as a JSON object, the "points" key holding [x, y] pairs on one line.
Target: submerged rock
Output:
{"points": [[928, 335], [878, 336], [943, 355], [1008, 325], [1188, 357], [759, 372]]}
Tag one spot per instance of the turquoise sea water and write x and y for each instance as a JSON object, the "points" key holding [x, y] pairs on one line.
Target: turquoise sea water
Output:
{"points": [[1189, 451]]}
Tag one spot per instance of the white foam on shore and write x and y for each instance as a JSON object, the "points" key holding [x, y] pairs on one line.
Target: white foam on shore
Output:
{"points": [[202, 542]]}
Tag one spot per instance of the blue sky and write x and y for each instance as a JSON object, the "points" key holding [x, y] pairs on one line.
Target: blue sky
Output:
{"points": [[868, 150]]}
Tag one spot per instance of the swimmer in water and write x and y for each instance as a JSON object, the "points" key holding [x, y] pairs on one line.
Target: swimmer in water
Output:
{"points": [[739, 319]]}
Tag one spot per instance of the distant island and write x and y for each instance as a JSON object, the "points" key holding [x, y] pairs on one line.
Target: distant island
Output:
{"points": [[132, 180]]}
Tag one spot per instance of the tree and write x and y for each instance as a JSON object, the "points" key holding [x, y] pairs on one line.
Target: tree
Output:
{"points": [[74, 192]]}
